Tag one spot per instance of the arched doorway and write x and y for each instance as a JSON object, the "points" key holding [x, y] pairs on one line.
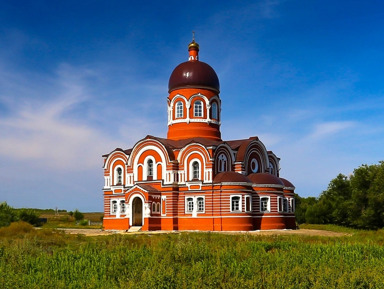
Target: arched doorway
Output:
{"points": [[137, 212]]}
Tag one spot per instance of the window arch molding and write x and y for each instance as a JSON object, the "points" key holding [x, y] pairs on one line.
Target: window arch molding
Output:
{"points": [[137, 152], [258, 151]]}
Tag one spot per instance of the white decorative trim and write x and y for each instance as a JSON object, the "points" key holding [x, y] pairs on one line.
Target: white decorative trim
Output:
{"points": [[193, 183], [130, 207]]}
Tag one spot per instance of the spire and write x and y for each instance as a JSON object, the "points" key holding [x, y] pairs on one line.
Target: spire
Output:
{"points": [[193, 49]]}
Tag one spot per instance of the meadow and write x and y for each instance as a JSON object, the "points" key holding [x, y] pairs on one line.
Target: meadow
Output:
{"points": [[48, 258]]}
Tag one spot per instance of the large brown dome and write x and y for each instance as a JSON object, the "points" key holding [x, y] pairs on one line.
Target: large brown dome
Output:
{"points": [[194, 74]]}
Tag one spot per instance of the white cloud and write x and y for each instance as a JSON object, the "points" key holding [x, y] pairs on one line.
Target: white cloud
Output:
{"points": [[326, 129]]}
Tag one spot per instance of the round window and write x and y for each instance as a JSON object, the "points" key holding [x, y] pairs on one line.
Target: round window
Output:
{"points": [[254, 166]]}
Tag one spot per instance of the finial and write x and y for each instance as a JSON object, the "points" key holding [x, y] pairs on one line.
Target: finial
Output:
{"points": [[193, 49]]}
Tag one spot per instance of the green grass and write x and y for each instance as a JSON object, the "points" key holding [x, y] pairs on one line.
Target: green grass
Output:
{"points": [[48, 258]]}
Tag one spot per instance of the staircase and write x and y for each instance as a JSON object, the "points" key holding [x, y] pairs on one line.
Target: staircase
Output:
{"points": [[134, 229]]}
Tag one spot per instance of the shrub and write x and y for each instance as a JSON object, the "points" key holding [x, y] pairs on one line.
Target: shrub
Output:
{"points": [[29, 216], [84, 222], [7, 215], [78, 215]]}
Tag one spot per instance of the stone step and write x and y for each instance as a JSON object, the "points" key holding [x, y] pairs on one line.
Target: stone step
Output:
{"points": [[134, 229]]}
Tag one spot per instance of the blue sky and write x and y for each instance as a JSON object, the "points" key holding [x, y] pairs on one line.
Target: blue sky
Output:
{"points": [[80, 78]]}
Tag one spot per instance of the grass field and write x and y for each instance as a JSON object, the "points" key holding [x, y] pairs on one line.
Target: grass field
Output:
{"points": [[47, 258]]}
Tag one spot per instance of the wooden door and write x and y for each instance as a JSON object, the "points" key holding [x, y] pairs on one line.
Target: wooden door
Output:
{"points": [[137, 212]]}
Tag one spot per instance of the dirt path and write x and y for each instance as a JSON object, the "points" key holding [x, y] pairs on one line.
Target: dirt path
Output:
{"points": [[99, 232]]}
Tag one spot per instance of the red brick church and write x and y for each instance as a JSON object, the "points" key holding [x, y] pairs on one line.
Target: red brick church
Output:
{"points": [[194, 180]]}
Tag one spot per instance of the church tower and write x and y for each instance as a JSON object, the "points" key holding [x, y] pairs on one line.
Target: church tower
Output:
{"points": [[194, 104]]}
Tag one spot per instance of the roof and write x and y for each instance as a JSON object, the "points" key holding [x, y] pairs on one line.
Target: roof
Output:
{"points": [[230, 177], [194, 74], [287, 183], [265, 179]]}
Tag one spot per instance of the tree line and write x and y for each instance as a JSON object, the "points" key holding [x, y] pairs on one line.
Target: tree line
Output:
{"points": [[355, 201]]}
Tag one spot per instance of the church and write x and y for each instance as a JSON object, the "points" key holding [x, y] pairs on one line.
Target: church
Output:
{"points": [[194, 180]]}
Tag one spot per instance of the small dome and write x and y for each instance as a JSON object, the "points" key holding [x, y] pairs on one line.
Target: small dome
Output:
{"points": [[193, 74], [265, 179], [287, 183], [230, 177]]}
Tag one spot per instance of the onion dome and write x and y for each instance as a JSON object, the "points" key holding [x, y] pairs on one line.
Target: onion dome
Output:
{"points": [[265, 179], [230, 177], [194, 73], [287, 184]]}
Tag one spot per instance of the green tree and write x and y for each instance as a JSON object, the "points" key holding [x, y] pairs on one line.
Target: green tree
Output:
{"points": [[7, 215], [29, 216], [78, 215]]}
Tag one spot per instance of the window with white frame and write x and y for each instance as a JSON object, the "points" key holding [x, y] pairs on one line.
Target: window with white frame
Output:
{"points": [[119, 176], [195, 170], [150, 168], [200, 204], [122, 206], [179, 109], [248, 203], [114, 207], [189, 205], [198, 109], [153, 207], [285, 205], [280, 204], [222, 165], [214, 111], [194, 205], [235, 203], [264, 204], [158, 207], [293, 205]]}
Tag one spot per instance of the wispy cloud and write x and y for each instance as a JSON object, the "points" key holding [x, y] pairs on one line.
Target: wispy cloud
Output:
{"points": [[326, 129]]}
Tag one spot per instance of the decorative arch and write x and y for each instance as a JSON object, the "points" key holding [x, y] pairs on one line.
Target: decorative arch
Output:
{"points": [[131, 207], [223, 153], [256, 158]]}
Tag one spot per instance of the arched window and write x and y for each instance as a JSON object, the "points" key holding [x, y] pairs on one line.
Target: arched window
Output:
{"points": [[153, 207], [179, 109], [119, 176], [195, 170], [150, 168], [222, 165], [198, 109], [214, 112]]}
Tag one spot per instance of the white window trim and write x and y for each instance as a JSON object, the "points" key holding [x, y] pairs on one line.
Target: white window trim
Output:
{"points": [[118, 207], [245, 203], [286, 206], [292, 205], [145, 168], [240, 204], [268, 205], [191, 169], [223, 161], [195, 111], [182, 110], [282, 204], [115, 183], [195, 211]]}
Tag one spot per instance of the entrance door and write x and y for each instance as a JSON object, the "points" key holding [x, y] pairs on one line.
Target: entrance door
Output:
{"points": [[137, 212]]}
